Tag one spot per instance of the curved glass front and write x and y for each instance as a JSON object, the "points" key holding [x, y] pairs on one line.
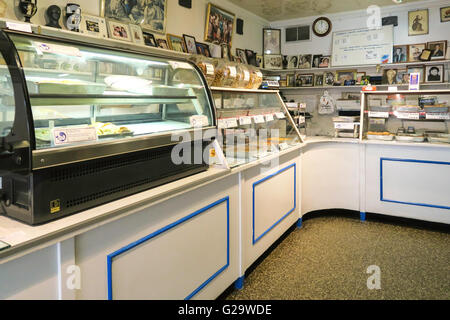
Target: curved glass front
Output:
{"points": [[7, 102], [81, 94]]}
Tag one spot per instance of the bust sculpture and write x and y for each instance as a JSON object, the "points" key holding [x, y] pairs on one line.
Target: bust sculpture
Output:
{"points": [[53, 15]]}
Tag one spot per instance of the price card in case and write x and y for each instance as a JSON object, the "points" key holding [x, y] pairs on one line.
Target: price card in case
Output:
{"points": [[280, 115], [63, 136], [269, 117], [345, 125], [408, 115], [232, 123], [245, 121], [24, 27], [438, 116], [221, 123], [259, 119], [374, 114]]}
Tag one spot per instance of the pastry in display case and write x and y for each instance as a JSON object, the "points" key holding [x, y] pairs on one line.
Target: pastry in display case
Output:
{"points": [[253, 124], [407, 116], [83, 124]]}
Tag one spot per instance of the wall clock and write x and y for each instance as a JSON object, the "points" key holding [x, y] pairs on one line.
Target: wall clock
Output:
{"points": [[321, 27]]}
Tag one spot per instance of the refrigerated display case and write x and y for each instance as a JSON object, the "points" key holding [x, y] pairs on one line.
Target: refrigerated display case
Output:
{"points": [[82, 124], [253, 124]]}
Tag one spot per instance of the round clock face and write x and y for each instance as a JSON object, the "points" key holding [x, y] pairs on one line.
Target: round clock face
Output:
{"points": [[321, 27]]}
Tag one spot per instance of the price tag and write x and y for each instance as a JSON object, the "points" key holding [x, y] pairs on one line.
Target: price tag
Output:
{"points": [[345, 125], [373, 114], [301, 119], [63, 136], [269, 117], [259, 119], [180, 65], [57, 49], [438, 116], [232, 72], [232, 123], [24, 27], [408, 115], [199, 121], [209, 69], [221, 123], [283, 146], [280, 115], [246, 75], [245, 121]]}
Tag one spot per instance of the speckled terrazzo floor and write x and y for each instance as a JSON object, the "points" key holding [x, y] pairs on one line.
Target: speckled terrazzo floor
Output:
{"points": [[328, 257]]}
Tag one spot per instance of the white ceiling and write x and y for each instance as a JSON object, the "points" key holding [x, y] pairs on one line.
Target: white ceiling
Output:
{"points": [[274, 10]]}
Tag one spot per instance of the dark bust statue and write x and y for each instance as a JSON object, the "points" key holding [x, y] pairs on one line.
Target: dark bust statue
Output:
{"points": [[53, 14]]}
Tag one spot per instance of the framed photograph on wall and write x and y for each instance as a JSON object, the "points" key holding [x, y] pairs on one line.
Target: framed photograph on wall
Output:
{"points": [[240, 53], [190, 44], [93, 26], [400, 54], [389, 76], [318, 80], [149, 39], [445, 14], [417, 69], [316, 60], [176, 43], [226, 51], [325, 62], [290, 80], [259, 61], [271, 41], [438, 49], [136, 34], [345, 75], [273, 61], [251, 57], [119, 31], [418, 22], [305, 61], [304, 80], [215, 50], [328, 78], [292, 62], [203, 49], [434, 74], [162, 43], [219, 25], [414, 51], [149, 15], [402, 77]]}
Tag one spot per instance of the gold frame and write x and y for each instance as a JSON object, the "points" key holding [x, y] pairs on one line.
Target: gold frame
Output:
{"points": [[208, 13], [354, 71], [169, 42], [102, 14], [411, 34]]}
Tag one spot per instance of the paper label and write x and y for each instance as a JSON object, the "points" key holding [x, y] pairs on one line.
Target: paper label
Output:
{"points": [[373, 114], [280, 115], [221, 123], [232, 123], [408, 115], [438, 116], [232, 71], [63, 136], [283, 146], [180, 65], [245, 121], [199, 121], [209, 69], [301, 119], [259, 119], [345, 125], [24, 27], [57, 49], [269, 117], [246, 75], [392, 89]]}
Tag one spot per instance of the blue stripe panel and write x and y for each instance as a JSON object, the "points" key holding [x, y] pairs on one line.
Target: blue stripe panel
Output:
{"points": [[239, 283], [299, 223], [290, 211], [167, 228], [402, 202], [362, 216]]}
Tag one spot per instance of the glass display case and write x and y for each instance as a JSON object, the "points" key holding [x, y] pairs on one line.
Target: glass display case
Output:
{"points": [[253, 124], [406, 116], [75, 114]]}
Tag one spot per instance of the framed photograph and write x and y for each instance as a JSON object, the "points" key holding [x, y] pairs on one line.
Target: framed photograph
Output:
{"points": [[425, 55], [176, 43], [240, 53], [418, 22], [417, 69], [438, 49], [271, 41], [304, 80], [203, 49], [305, 61], [414, 51], [292, 62], [402, 77], [325, 62], [316, 60], [434, 74], [93, 26], [359, 77], [226, 51], [136, 34], [290, 80], [149, 39], [259, 61], [119, 31], [162, 43], [389, 76], [251, 57], [318, 80], [400, 54], [149, 15], [190, 44], [445, 14], [215, 50], [345, 75], [219, 25], [328, 78], [273, 61], [236, 59]]}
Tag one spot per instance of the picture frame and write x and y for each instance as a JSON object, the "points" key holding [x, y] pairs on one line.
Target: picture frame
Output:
{"points": [[271, 41], [273, 61], [190, 43], [402, 77], [389, 76], [151, 16], [176, 43], [93, 26], [434, 73], [400, 54], [136, 34], [359, 77], [415, 50], [316, 60], [215, 50], [292, 62], [240, 53], [304, 79], [445, 14], [438, 49], [149, 39], [215, 16], [418, 22], [251, 57], [305, 61], [203, 49], [236, 59], [119, 31], [290, 80], [417, 69], [328, 79], [226, 51], [325, 62], [318, 80], [345, 75], [425, 55], [162, 43], [259, 61]]}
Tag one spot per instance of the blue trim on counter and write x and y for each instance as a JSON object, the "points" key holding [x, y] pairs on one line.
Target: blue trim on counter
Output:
{"points": [[403, 202], [290, 211], [362, 216], [299, 223], [239, 283], [167, 228]]}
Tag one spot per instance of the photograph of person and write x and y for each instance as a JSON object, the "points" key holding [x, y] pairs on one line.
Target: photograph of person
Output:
{"points": [[190, 44], [304, 61], [389, 76], [324, 62], [328, 78], [414, 51], [219, 25], [417, 69], [316, 60], [318, 80], [418, 22], [438, 49], [149, 39], [292, 62], [434, 73], [400, 54], [342, 76]]}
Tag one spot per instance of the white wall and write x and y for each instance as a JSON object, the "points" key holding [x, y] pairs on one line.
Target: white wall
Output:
{"points": [[180, 20], [358, 20]]}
